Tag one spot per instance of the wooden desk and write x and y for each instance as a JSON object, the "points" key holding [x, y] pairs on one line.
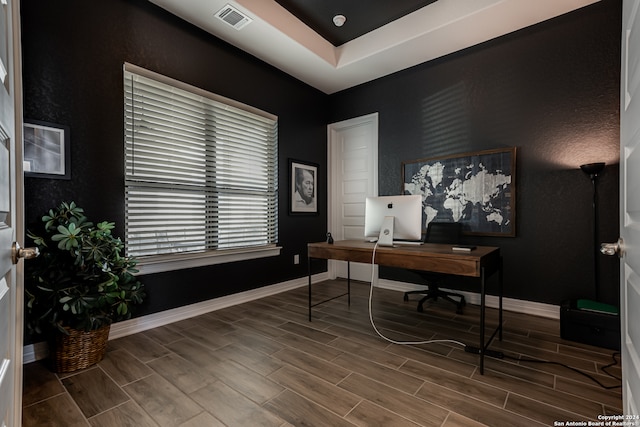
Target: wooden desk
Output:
{"points": [[439, 258]]}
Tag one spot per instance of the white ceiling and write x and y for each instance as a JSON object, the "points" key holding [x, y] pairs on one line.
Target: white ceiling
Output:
{"points": [[280, 39]]}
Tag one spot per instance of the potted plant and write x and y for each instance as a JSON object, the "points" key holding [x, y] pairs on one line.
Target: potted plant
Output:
{"points": [[80, 284]]}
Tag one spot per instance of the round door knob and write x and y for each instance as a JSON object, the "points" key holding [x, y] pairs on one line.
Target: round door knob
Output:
{"points": [[27, 253]]}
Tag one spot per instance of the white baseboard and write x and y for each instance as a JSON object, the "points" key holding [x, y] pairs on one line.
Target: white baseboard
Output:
{"points": [[519, 306], [151, 321], [38, 351], [33, 352]]}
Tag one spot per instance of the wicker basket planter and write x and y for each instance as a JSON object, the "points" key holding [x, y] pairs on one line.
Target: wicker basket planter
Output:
{"points": [[79, 349], [82, 280]]}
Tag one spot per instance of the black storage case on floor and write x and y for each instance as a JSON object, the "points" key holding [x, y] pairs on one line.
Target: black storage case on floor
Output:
{"points": [[589, 327]]}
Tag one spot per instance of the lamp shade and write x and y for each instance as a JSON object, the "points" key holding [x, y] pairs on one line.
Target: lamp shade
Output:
{"points": [[592, 168]]}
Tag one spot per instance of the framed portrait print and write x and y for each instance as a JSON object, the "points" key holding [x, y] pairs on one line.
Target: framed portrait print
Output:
{"points": [[303, 194], [46, 150]]}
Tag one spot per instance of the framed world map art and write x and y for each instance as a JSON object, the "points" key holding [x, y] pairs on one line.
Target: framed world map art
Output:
{"points": [[476, 189]]}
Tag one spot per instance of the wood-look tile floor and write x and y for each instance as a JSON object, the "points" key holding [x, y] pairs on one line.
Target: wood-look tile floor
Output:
{"points": [[263, 363]]}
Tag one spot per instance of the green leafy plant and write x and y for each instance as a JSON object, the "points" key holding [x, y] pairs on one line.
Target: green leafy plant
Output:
{"points": [[82, 279]]}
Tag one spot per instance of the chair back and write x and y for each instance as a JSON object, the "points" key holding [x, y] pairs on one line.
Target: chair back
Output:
{"points": [[443, 232]]}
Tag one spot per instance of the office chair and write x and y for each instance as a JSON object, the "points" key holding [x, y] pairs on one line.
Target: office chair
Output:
{"points": [[439, 232]]}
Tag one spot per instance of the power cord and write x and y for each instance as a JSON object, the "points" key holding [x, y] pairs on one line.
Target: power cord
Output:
{"points": [[501, 355], [373, 258], [476, 350], [595, 380], [614, 363]]}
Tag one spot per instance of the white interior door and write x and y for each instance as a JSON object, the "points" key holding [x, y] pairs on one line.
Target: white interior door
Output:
{"points": [[630, 206], [353, 158], [10, 174]]}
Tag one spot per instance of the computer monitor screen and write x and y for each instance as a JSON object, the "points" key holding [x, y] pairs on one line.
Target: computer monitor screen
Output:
{"points": [[406, 211]]}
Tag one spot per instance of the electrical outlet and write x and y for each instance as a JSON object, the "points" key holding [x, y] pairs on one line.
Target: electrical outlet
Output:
{"points": [[296, 259]]}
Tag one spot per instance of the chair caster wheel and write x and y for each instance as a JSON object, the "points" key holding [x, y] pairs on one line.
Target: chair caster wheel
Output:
{"points": [[420, 308], [406, 297]]}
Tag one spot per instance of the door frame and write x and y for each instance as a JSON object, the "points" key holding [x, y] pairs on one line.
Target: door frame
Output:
{"points": [[12, 121], [333, 161], [629, 194]]}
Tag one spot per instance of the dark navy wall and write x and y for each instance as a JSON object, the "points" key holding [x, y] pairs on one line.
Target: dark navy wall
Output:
{"points": [[552, 91], [73, 56]]}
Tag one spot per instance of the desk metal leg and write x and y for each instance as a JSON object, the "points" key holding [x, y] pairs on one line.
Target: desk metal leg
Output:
{"points": [[482, 319], [309, 270], [484, 346], [348, 293], [349, 283], [500, 299]]}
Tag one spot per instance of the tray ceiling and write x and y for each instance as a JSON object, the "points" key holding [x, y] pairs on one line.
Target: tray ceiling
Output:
{"points": [[379, 39]]}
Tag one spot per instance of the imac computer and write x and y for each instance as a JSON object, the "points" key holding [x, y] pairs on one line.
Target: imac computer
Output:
{"points": [[389, 218]]}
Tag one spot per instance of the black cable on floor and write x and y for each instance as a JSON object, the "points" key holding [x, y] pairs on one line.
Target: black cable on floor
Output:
{"points": [[615, 362], [500, 355]]}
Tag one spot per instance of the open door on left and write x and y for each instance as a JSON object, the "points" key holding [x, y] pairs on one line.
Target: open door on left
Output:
{"points": [[11, 215]]}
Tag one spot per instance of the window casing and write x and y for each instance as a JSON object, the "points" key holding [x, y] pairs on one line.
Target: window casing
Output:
{"points": [[200, 171]]}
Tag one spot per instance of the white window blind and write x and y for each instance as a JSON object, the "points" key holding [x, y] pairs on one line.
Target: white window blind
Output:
{"points": [[200, 170]]}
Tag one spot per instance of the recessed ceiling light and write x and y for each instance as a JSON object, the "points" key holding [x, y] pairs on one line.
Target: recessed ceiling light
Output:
{"points": [[339, 20]]}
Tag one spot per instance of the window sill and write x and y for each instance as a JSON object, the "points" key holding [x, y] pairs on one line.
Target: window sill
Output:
{"points": [[170, 262]]}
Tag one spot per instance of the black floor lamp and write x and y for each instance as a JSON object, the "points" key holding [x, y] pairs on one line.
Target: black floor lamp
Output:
{"points": [[587, 321], [593, 169]]}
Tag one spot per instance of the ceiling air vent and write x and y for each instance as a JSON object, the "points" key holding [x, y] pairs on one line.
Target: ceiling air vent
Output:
{"points": [[233, 17]]}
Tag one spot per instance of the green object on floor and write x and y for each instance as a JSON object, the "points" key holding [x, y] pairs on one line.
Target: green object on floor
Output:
{"points": [[585, 304]]}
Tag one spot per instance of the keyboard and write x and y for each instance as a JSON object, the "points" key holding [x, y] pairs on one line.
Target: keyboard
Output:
{"points": [[408, 242]]}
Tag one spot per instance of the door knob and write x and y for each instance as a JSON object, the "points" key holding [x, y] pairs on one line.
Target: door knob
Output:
{"points": [[27, 253], [613, 248]]}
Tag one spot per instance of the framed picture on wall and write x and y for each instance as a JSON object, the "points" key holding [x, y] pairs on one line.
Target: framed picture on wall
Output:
{"points": [[476, 189], [46, 150], [303, 189]]}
